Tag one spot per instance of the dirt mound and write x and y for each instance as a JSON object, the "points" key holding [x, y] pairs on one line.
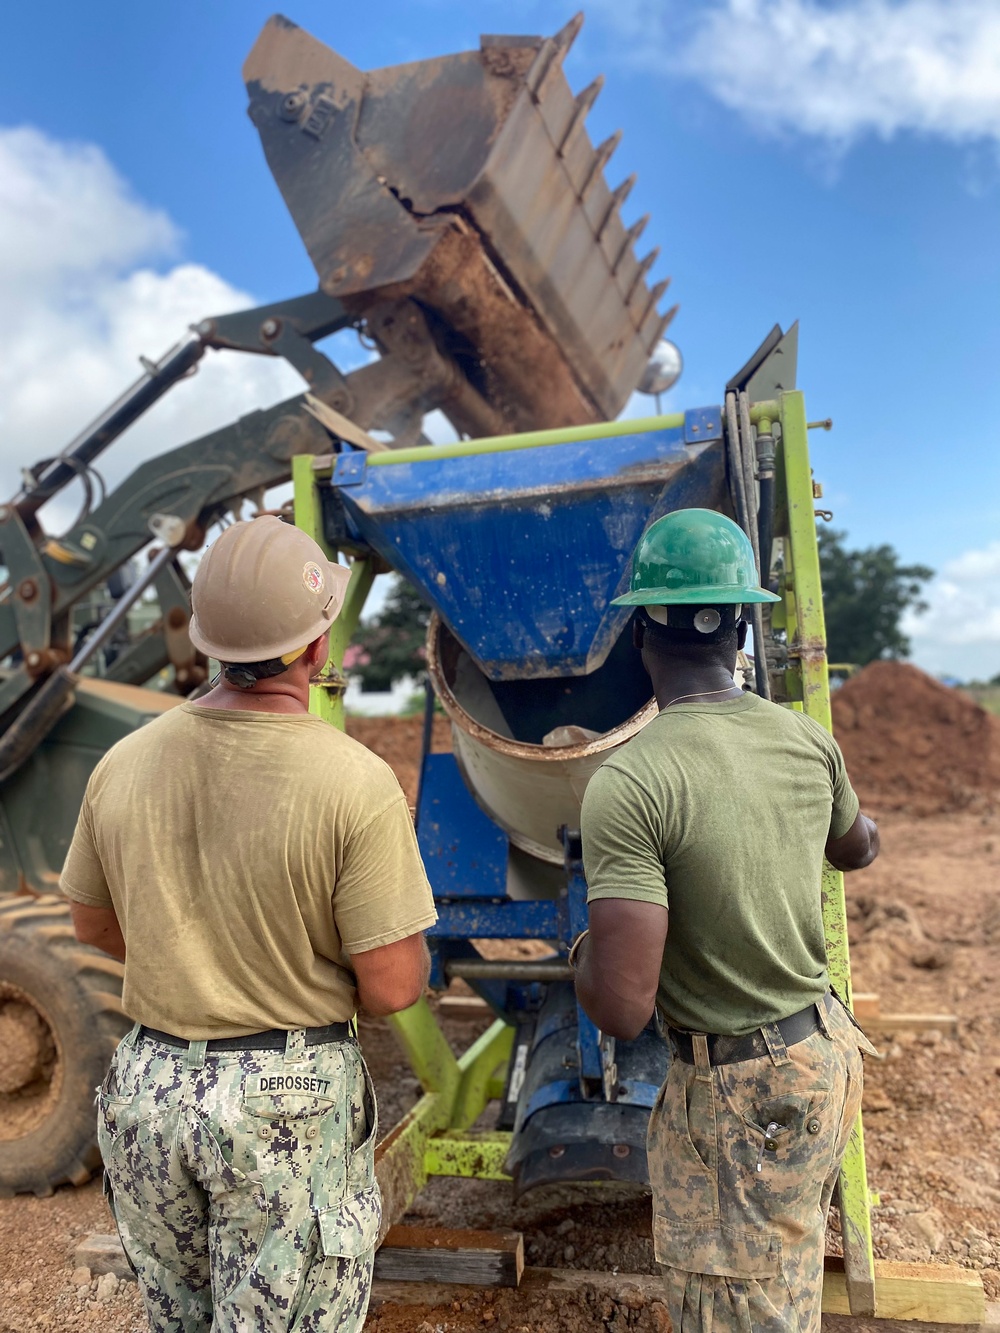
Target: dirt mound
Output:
{"points": [[914, 744], [397, 740]]}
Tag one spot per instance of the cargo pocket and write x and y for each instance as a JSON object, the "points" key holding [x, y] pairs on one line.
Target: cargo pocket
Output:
{"points": [[364, 1128], [350, 1229], [717, 1251], [682, 1150]]}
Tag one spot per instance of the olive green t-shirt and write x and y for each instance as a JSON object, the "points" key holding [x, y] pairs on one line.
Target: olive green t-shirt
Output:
{"points": [[721, 812], [247, 856]]}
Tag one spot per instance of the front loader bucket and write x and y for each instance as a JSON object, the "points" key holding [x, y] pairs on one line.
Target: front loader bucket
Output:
{"points": [[468, 184]]}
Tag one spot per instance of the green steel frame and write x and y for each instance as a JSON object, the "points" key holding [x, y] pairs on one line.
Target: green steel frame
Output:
{"points": [[436, 1137]]}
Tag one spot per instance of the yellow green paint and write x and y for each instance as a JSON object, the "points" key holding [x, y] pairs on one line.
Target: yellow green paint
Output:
{"points": [[326, 694], [499, 444], [808, 681]]}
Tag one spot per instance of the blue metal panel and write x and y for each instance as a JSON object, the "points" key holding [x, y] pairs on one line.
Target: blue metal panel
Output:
{"points": [[508, 920], [556, 1093], [702, 425], [588, 1047], [349, 469], [521, 551], [638, 1094], [464, 852]]}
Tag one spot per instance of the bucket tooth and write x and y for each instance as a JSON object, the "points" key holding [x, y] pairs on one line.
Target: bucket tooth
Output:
{"points": [[602, 156], [581, 106], [568, 34], [631, 236], [618, 197], [644, 266], [652, 297], [536, 75], [551, 53], [662, 326]]}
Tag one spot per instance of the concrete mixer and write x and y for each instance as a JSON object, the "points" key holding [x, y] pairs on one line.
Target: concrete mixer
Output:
{"points": [[519, 543]]}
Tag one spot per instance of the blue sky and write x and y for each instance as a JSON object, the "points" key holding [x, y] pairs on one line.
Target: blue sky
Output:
{"points": [[838, 163]]}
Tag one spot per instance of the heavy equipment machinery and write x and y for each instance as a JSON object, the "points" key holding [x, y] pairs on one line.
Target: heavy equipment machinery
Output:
{"points": [[457, 216], [460, 221]]}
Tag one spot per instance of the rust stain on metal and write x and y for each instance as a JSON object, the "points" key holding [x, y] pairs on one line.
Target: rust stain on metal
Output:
{"points": [[437, 665]]}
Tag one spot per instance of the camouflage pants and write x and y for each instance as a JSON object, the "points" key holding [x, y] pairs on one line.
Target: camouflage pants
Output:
{"points": [[243, 1184], [739, 1229]]}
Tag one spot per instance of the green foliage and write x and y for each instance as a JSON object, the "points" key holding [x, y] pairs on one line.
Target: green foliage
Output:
{"points": [[864, 596], [391, 644]]}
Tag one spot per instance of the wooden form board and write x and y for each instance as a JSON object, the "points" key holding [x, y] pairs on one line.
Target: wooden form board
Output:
{"points": [[868, 1012], [436, 1254], [412, 1271], [407, 1255], [936, 1293], [463, 1006]]}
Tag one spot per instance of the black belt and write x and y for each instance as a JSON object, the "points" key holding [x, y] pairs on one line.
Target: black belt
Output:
{"points": [[724, 1050], [273, 1040]]}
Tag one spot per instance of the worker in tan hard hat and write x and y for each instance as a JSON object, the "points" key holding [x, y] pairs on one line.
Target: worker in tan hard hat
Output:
{"points": [[257, 872]]}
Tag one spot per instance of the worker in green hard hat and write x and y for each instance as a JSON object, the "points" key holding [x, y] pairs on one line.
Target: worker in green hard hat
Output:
{"points": [[715, 820]]}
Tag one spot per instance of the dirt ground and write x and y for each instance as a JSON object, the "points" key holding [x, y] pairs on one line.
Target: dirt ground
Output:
{"points": [[925, 935]]}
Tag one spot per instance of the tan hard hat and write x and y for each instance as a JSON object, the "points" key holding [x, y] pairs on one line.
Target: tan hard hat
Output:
{"points": [[263, 590]]}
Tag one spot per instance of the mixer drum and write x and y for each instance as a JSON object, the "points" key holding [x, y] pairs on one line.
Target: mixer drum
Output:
{"points": [[528, 748]]}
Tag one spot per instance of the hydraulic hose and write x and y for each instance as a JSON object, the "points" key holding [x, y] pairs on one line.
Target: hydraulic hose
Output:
{"points": [[765, 514], [740, 448], [59, 472]]}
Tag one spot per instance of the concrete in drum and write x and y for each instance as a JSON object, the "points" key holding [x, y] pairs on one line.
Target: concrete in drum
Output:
{"points": [[30, 1068]]}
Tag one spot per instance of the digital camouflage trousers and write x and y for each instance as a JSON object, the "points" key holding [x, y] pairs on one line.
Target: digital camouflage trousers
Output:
{"points": [[243, 1184], [743, 1159]]}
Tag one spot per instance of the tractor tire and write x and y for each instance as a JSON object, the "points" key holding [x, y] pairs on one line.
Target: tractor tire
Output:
{"points": [[60, 1021]]}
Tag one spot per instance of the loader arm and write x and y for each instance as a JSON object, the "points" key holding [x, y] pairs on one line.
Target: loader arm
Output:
{"points": [[188, 488], [198, 482]]}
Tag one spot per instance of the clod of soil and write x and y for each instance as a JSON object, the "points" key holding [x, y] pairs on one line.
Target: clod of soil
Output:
{"points": [[915, 745]]}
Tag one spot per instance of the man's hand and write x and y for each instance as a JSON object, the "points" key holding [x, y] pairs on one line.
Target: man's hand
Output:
{"points": [[392, 977], [99, 926], [619, 968], [857, 848]]}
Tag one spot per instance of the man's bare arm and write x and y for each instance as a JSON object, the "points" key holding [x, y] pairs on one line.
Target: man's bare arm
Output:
{"points": [[393, 976], [99, 926], [858, 847], [619, 967]]}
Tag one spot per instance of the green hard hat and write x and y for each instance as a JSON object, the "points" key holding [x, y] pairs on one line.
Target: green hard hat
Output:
{"points": [[693, 557]]}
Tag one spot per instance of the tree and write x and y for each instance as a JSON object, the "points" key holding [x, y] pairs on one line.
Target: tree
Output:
{"points": [[865, 594], [391, 644]]}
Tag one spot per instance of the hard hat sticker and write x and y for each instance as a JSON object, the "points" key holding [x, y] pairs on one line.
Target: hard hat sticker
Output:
{"points": [[312, 576]]}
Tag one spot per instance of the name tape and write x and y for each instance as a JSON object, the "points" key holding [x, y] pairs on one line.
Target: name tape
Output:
{"points": [[290, 1083]]}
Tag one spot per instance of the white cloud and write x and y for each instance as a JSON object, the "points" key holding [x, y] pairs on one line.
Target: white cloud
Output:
{"points": [[838, 71], [959, 633], [86, 287]]}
